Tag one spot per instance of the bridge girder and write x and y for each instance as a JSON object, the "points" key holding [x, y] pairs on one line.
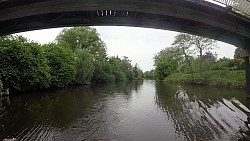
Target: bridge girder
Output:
{"points": [[192, 16]]}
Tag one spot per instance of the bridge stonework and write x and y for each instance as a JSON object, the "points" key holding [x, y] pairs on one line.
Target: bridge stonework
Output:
{"points": [[192, 16]]}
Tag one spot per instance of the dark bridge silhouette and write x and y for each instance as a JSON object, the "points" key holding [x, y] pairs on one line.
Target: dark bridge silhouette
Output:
{"points": [[229, 23], [192, 16]]}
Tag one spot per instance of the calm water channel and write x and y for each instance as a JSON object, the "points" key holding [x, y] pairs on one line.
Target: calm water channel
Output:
{"points": [[138, 111]]}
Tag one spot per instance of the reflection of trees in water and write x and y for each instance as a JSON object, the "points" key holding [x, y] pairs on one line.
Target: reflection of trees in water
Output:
{"points": [[202, 113], [46, 113]]}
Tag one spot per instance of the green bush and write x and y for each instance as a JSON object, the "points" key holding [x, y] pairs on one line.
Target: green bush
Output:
{"points": [[84, 66], [62, 65], [223, 78], [105, 77], [23, 64]]}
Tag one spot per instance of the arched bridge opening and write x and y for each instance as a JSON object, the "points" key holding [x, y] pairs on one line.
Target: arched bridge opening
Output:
{"points": [[228, 23]]}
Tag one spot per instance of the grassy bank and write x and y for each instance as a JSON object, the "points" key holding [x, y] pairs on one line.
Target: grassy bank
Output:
{"points": [[222, 78]]}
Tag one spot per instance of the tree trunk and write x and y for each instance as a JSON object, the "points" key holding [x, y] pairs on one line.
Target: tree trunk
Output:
{"points": [[189, 63], [201, 69]]}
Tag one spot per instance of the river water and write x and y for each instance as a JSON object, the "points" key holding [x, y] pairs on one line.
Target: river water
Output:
{"points": [[138, 111]]}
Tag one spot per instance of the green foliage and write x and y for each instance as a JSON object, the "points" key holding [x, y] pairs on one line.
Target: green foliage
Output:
{"points": [[166, 62], [62, 65], [204, 69], [209, 64], [23, 64], [105, 69], [138, 74], [116, 65], [223, 78], [77, 57], [149, 74], [170, 54], [202, 44], [127, 68], [107, 73], [164, 69], [117, 69], [237, 53], [183, 43], [83, 37], [84, 66], [106, 77]]}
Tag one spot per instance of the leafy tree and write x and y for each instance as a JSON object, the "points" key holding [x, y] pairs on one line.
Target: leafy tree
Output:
{"points": [[107, 73], [239, 62], [167, 62], [183, 41], [149, 74], [164, 69], [237, 53], [201, 44], [85, 38], [84, 66], [116, 65], [223, 63], [82, 37], [209, 56], [127, 68], [62, 65], [138, 74], [209, 61], [23, 64]]}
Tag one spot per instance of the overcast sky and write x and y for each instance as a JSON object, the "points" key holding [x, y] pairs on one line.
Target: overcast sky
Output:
{"points": [[139, 44]]}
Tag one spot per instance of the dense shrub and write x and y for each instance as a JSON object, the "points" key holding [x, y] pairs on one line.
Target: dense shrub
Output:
{"points": [[62, 65], [23, 65], [84, 66], [224, 78]]}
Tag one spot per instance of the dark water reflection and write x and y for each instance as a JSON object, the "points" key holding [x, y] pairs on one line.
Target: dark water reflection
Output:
{"points": [[142, 110], [204, 113]]}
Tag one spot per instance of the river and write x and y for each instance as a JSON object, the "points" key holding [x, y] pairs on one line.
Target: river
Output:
{"points": [[137, 111]]}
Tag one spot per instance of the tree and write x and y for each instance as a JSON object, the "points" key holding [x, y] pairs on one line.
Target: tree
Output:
{"points": [[84, 66], [127, 68], [237, 53], [167, 62], [149, 74], [138, 74], [116, 65], [107, 73], [183, 41], [62, 65], [23, 65], [201, 44], [82, 37], [85, 38], [164, 69], [209, 56], [209, 61]]}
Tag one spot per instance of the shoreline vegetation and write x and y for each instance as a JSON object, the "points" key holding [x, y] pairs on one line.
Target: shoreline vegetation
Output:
{"points": [[78, 56], [191, 60], [219, 78]]}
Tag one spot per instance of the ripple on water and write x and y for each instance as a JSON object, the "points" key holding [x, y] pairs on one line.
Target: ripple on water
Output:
{"points": [[128, 111]]}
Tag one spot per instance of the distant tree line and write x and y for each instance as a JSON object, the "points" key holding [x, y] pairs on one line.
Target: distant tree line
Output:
{"points": [[78, 56], [190, 54]]}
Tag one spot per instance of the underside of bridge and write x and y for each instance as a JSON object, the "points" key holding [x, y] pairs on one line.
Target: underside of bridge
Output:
{"points": [[191, 16]]}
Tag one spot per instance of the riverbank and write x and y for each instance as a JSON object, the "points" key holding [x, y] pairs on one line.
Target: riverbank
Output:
{"points": [[221, 78]]}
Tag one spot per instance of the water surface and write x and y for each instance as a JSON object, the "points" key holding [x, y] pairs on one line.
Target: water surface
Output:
{"points": [[137, 111]]}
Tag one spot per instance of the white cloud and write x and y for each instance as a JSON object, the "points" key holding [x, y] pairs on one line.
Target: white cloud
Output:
{"points": [[42, 36]]}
